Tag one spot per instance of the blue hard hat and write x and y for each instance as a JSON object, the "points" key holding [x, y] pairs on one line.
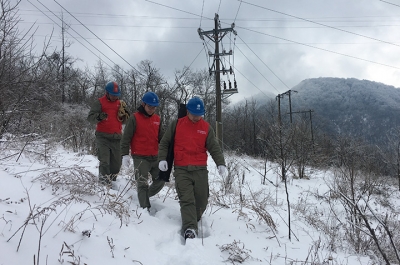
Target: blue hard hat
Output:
{"points": [[195, 106], [113, 89], [150, 98]]}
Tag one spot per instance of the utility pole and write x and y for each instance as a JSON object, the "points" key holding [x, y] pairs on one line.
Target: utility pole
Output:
{"points": [[280, 136], [279, 96], [216, 36], [63, 61], [289, 92]]}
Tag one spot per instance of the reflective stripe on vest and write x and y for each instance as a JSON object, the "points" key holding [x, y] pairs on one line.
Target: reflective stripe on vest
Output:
{"points": [[145, 139], [190, 142], [111, 124]]}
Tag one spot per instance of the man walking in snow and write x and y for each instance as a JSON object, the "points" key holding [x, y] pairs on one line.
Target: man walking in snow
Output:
{"points": [[192, 137], [141, 136], [109, 113]]}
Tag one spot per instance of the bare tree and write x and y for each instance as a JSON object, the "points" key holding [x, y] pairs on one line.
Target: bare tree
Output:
{"points": [[356, 187]]}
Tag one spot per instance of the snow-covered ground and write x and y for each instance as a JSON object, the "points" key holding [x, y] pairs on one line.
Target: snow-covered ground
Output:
{"points": [[50, 207]]}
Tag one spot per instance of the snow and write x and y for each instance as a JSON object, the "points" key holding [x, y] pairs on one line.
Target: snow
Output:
{"points": [[229, 232]]}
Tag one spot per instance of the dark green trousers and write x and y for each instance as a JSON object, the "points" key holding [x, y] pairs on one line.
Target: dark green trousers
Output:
{"points": [[109, 155], [193, 191], [145, 165]]}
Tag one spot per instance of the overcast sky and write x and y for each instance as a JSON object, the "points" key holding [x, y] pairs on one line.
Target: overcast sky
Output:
{"points": [[278, 43]]}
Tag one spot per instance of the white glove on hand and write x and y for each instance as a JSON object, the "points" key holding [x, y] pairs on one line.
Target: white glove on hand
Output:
{"points": [[163, 165], [222, 170], [126, 161]]}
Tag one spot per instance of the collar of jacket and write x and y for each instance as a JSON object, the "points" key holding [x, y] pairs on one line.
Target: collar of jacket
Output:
{"points": [[143, 111]]}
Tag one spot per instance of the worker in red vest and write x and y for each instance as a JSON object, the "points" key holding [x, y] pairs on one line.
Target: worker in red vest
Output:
{"points": [[106, 114], [192, 137], [141, 136]]}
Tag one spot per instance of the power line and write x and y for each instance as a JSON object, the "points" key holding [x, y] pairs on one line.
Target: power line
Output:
{"points": [[319, 23], [198, 42], [245, 77], [98, 37], [257, 69], [201, 17], [389, 3], [326, 50], [263, 62], [193, 27], [307, 45], [240, 19], [187, 69], [177, 9], [73, 36], [237, 11]]}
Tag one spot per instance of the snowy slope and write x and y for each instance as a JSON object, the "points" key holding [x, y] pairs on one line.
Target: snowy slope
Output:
{"points": [[231, 230]]}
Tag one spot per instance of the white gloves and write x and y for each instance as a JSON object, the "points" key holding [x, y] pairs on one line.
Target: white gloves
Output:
{"points": [[222, 170], [163, 165], [126, 161]]}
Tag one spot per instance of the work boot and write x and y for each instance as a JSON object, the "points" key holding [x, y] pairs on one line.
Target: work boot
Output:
{"points": [[189, 233], [105, 180]]}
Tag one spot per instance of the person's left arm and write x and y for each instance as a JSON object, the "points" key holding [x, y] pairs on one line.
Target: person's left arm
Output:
{"points": [[129, 131], [213, 148]]}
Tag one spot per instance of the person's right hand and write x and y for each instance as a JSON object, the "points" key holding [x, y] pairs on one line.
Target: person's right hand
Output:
{"points": [[102, 116], [163, 165]]}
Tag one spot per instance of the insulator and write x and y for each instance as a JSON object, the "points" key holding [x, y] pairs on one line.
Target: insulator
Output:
{"points": [[223, 71], [224, 85], [234, 84], [230, 85], [231, 70]]}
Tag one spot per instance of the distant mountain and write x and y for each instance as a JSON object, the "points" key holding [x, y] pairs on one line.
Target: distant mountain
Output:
{"points": [[359, 108]]}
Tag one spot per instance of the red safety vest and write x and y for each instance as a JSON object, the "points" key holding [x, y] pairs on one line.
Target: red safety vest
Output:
{"points": [[145, 139], [190, 142], [111, 124]]}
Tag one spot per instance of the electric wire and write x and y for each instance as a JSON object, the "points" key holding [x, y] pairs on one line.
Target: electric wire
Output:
{"points": [[237, 11], [73, 36], [219, 6], [97, 37], [266, 79], [389, 3], [307, 20], [196, 57], [307, 45], [233, 56], [174, 8], [193, 27], [263, 62], [321, 24], [206, 53], [198, 42], [322, 49], [187, 69], [201, 17], [242, 19], [245, 77]]}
